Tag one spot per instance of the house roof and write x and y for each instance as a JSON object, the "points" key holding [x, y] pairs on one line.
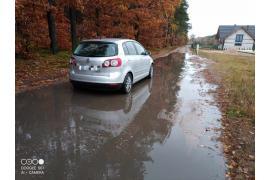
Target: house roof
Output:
{"points": [[226, 30]]}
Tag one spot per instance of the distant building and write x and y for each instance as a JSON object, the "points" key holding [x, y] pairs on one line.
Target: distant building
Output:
{"points": [[236, 37]]}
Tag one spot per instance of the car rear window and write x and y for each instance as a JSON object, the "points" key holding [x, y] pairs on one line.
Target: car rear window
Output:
{"points": [[96, 49]]}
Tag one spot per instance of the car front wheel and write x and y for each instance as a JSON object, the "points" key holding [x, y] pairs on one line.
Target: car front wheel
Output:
{"points": [[127, 84], [151, 72]]}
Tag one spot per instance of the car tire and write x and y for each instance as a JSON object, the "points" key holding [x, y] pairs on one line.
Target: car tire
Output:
{"points": [[127, 84], [151, 72], [76, 86]]}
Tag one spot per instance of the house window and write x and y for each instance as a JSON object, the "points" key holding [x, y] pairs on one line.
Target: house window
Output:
{"points": [[238, 40]]}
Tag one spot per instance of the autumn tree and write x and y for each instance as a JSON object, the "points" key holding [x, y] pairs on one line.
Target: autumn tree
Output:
{"points": [[150, 20], [168, 9], [71, 9], [146, 21], [72, 19], [181, 18], [51, 26], [62, 23], [32, 31], [30, 26]]}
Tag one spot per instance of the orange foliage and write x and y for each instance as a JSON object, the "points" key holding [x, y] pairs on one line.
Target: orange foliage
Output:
{"points": [[31, 25], [62, 31], [148, 21]]}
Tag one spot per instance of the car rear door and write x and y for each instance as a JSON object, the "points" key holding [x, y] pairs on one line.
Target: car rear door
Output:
{"points": [[144, 59], [133, 59]]}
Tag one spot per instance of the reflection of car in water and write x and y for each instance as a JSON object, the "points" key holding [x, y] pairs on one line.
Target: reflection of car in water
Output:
{"points": [[109, 114]]}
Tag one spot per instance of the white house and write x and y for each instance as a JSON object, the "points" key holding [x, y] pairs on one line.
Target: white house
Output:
{"points": [[236, 37]]}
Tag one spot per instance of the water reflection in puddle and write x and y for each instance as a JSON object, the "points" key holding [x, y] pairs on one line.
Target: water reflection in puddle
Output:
{"points": [[162, 130], [190, 151]]}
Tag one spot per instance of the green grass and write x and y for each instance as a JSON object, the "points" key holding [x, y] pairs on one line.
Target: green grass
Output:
{"points": [[237, 75], [44, 56], [59, 60]]}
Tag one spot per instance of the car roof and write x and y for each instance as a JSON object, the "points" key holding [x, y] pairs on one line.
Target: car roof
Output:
{"points": [[114, 40]]}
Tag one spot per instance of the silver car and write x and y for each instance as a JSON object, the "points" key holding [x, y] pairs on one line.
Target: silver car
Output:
{"points": [[113, 63]]}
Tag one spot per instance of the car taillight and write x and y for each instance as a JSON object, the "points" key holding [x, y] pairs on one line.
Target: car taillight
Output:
{"points": [[112, 63], [72, 61], [106, 63]]}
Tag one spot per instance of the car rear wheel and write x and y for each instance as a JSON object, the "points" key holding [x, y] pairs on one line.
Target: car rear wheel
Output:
{"points": [[127, 84], [76, 86]]}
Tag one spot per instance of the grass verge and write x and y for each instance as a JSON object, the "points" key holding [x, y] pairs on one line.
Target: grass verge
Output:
{"points": [[235, 75], [44, 69]]}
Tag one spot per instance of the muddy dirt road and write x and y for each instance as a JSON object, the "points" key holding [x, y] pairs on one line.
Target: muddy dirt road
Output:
{"points": [[166, 129]]}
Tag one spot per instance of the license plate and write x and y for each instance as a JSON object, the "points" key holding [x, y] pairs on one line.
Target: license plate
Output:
{"points": [[93, 68], [83, 68]]}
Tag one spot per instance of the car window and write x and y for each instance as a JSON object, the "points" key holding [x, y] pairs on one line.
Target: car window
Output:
{"points": [[96, 49], [130, 48], [139, 48], [125, 49]]}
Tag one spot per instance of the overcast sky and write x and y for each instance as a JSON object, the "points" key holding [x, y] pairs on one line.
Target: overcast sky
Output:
{"points": [[206, 15]]}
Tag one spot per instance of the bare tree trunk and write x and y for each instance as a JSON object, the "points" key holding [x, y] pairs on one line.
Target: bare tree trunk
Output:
{"points": [[72, 18], [167, 34], [97, 14], [137, 28], [52, 30]]}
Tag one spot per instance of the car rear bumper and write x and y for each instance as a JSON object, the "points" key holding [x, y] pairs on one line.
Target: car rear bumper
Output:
{"points": [[110, 78]]}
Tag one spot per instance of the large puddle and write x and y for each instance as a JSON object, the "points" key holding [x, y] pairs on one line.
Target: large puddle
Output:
{"points": [[165, 129]]}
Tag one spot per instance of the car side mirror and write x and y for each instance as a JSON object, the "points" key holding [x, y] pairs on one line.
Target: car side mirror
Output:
{"points": [[146, 53]]}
